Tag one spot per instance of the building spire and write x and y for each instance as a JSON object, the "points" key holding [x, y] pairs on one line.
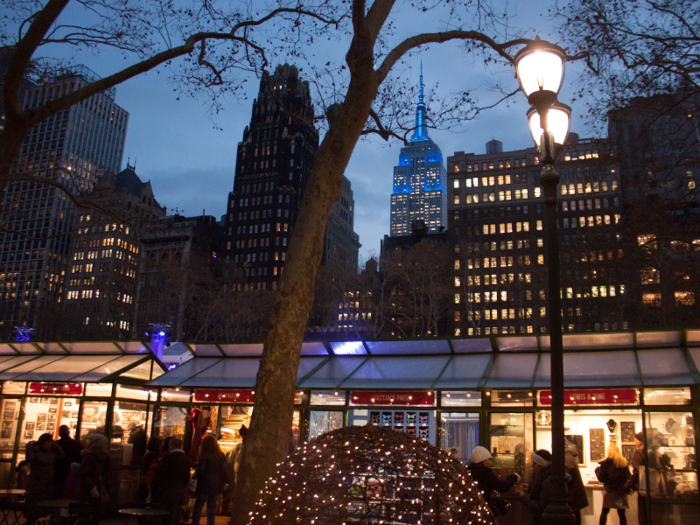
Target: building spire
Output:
{"points": [[421, 132]]}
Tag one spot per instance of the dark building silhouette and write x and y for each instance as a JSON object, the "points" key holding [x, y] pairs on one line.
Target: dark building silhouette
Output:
{"points": [[341, 244], [272, 167]]}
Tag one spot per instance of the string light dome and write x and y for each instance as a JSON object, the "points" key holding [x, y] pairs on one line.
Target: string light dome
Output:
{"points": [[363, 475]]}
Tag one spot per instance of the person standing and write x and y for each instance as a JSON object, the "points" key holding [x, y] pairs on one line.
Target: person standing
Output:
{"points": [[614, 474], [480, 468], [71, 450], [233, 463], [536, 498], [575, 488], [42, 456], [211, 478], [170, 480], [91, 485], [634, 482]]}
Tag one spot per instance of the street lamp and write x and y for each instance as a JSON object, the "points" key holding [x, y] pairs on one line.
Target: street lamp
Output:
{"points": [[540, 70]]}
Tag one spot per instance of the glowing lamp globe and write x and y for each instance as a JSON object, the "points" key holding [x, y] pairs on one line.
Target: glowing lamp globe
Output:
{"points": [[558, 122], [540, 67]]}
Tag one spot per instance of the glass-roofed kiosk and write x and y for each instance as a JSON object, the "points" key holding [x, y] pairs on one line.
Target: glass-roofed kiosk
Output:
{"points": [[454, 393]]}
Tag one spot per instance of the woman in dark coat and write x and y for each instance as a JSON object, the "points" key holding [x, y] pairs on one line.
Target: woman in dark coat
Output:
{"points": [[41, 455], [211, 478], [576, 490], [480, 468], [614, 473]]}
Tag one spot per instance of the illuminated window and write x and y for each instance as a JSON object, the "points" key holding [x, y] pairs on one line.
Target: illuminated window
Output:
{"points": [[650, 276], [651, 299], [685, 298]]}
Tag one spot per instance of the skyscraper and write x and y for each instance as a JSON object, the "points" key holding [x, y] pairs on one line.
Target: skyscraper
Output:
{"points": [[341, 243], [74, 147], [272, 166], [419, 181]]}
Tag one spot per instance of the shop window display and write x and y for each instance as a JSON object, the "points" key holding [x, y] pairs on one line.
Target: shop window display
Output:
{"points": [[459, 433], [9, 413], [94, 417], [170, 421], [414, 421], [511, 443], [45, 414], [322, 421], [235, 416]]}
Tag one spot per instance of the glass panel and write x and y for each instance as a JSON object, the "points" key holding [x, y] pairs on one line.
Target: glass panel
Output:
{"points": [[313, 349], [170, 421], [671, 455], [142, 371], [651, 339], [308, 365], [27, 348], [94, 417], [128, 440], [111, 367], [327, 397], [467, 346], [133, 347], [348, 348], [591, 341], [205, 350], [92, 348], [414, 421], [98, 389], [513, 370], [693, 337], [242, 349], [511, 443], [29, 366], [514, 344], [332, 374], [46, 414], [175, 394], [9, 408], [459, 433], [460, 399], [183, 372], [674, 514], [667, 396], [384, 372], [464, 371], [512, 398], [695, 354], [66, 369], [610, 368], [6, 349], [227, 373], [5, 467], [133, 392], [664, 367], [51, 348], [14, 387], [431, 346], [18, 360], [322, 421]]}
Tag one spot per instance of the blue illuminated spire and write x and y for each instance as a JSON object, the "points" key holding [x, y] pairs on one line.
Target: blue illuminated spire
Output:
{"points": [[421, 132]]}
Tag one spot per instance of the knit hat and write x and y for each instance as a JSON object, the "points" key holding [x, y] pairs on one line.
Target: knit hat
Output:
{"points": [[639, 436], [97, 440], [542, 458], [480, 454]]}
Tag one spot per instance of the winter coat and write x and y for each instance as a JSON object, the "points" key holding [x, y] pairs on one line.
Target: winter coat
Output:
{"points": [[576, 489], [488, 482], [613, 478], [41, 478], [71, 450], [637, 465], [538, 499], [211, 474], [91, 473], [174, 472]]}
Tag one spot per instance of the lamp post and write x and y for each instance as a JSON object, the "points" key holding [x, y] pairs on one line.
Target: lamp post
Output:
{"points": [[540, 70]]}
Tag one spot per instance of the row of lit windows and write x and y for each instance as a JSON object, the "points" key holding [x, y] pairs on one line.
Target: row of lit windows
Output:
{"points": [[492, 279], [580, 155], [502, 164], [501, 180], [590, 221], [509, 227], [503, 245], [589, 204], [506, 195], [587, 187]]}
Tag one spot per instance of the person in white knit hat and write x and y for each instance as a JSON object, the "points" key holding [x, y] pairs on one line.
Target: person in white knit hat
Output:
{"points": [[480, 468]]}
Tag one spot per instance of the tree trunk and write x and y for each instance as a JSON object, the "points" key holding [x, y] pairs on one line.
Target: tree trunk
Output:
{"points": [[269, 435]]}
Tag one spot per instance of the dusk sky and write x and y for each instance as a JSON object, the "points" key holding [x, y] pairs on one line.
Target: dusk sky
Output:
{"points": [[190, 163]]}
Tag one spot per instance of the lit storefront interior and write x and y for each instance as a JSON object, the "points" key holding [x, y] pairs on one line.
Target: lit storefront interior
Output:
{"points": [[454, 393]]}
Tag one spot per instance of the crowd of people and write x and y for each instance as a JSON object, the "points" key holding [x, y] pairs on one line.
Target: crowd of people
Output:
{"points": [[613, 472], [70, 470]]}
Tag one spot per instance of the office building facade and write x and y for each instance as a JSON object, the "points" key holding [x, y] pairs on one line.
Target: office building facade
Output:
{"points": [[341, 244], [419, 192], [74, 147]]}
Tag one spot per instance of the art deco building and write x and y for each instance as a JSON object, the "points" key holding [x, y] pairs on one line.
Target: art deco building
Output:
{"points": [[272, 167], [75, 147], [497, 231], [101, 285], [419, 192]]}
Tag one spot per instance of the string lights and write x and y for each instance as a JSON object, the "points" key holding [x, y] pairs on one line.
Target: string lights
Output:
{"points": [[370, 475]]}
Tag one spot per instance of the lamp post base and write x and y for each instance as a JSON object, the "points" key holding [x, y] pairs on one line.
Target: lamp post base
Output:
{"points": [[557, 511]]}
